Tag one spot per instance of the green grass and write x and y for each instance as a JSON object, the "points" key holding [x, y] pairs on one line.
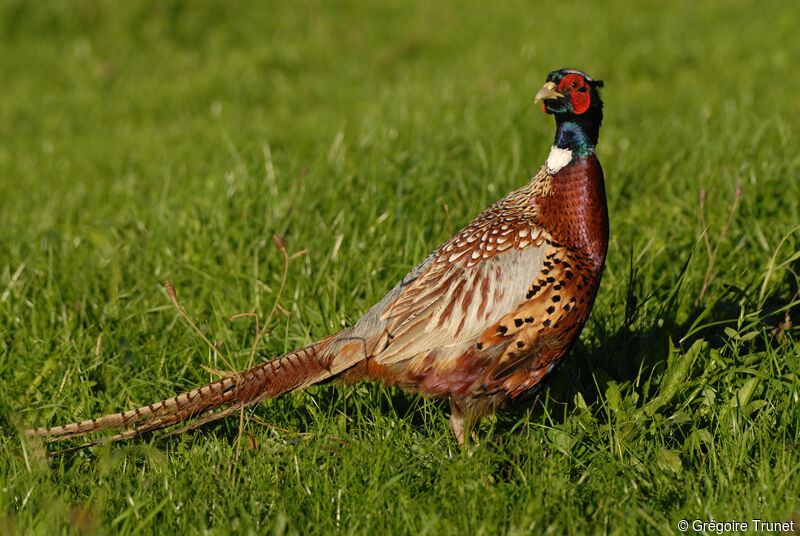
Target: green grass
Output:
{"points": [[141, 142]]}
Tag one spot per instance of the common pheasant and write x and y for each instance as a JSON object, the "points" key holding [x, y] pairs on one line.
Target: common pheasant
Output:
{"points": [[481, 320]]}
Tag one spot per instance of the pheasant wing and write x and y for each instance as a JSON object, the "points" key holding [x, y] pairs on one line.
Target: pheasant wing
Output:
{"points": [[467, 285]]}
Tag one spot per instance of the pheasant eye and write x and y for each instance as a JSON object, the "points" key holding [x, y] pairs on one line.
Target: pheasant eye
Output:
{"points": [[571, 82]]}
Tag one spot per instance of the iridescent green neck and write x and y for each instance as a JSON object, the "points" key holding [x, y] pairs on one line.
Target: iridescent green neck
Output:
{"points": [[578, 132], [576, 135]]}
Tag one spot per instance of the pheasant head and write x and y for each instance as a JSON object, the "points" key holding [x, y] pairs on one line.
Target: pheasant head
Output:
{"points": [[573, 98]]}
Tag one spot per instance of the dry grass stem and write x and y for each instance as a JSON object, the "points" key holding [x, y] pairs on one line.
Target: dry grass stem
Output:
{"points": [[174, 297], [712, 252], [280, 243], [447, 217]]}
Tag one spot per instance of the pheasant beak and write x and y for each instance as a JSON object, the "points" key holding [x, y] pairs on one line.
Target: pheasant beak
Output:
{"points": [[547, 92]]}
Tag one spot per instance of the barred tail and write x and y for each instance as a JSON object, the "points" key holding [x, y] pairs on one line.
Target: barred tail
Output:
{"points": [[290, 372]]}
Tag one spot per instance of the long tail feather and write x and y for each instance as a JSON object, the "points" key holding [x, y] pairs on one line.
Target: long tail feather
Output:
{"points": [[156, 425], [295, 370]]}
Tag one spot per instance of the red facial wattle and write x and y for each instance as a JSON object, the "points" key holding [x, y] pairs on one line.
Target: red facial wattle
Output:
{"points": [[578, 90]]}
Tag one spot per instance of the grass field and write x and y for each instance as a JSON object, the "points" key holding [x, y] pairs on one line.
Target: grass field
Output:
{"points": [[143, 142]]}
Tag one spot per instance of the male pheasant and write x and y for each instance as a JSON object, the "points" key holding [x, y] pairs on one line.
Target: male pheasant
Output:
{"points": [[481, 320]]}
